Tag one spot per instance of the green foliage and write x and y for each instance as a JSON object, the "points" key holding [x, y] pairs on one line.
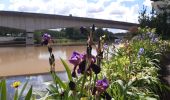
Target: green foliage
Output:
{"points": [[23, 88], [57, 80], [155, 20], [143, 19], [3, 91], [10, 31], [67, 69], [29, 94], [38, 37], [16, 95], [72, 35], [132, 77]]}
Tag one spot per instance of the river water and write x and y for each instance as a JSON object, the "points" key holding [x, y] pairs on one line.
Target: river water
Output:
{"points": [[33, 60]]}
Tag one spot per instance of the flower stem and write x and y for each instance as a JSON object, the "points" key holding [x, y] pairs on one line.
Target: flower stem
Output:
{"points": [[82, 86], [95, 80]]}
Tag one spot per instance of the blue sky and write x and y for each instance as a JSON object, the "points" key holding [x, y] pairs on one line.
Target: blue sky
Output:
{"points": [[120, 10]]}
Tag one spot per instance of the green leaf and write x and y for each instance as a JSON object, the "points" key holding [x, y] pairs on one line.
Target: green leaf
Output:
{"points": [[57, 80], [0, 88], [157, 54], [22, 90], [3, 90], [79, 80], [16, 95], [53, 89], [150, 98], [33, 97], [29, 94], [120, 84], [67, 69]]}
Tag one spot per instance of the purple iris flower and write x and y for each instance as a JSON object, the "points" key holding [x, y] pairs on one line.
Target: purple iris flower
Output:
{"points": [[82, 67], [140, 52], [154, 40], [117, 41], [79, 71], [75, 58], [151, 35], [91, 58], [82, 64], [46, 37], [102, 85], [141, 37], [105, 46]]}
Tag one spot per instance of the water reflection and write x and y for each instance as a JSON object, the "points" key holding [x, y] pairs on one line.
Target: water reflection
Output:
{"points": [[57, 54]]}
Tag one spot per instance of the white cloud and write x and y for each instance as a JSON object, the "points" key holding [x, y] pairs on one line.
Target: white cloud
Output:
{"points": [[147, 3], [116, 11], [125, 1], [94, 8], [63, 7], [2, 6]]}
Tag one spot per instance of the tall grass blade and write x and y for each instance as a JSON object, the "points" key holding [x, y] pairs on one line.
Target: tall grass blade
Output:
{"points": [[0, 88], [29, 94], [67, 69], [53, 89], [22, 90], [16, 95], [3, 90], [57, 80]]}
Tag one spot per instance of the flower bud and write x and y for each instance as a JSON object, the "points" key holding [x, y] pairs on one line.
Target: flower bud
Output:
{"points": [[50, 49], [72, 85]]}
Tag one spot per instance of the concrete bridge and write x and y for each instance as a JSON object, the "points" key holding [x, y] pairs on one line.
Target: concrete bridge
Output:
{"points": [[36, 21]]}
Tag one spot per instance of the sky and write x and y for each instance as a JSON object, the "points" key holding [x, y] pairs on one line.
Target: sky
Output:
{"points": [[119, 10]]}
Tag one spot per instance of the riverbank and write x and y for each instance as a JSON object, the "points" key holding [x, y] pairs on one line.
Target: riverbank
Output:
{"points": [[55, 44]]}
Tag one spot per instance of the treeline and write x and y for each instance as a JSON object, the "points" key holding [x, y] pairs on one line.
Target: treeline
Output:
{"points": [[155, 20], [65, 33], [4, 31], [74, 34]]}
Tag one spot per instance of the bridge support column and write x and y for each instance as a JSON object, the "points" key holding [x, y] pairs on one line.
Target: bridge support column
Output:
{"points": [[29, 38]]}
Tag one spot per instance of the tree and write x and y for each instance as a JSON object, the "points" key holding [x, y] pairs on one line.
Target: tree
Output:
{"points": [[156, 19], [144, 19], [162, 8], [69, 32]]}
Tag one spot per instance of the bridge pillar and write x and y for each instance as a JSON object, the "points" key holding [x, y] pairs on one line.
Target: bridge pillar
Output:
{"points": [[29, 38]]}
